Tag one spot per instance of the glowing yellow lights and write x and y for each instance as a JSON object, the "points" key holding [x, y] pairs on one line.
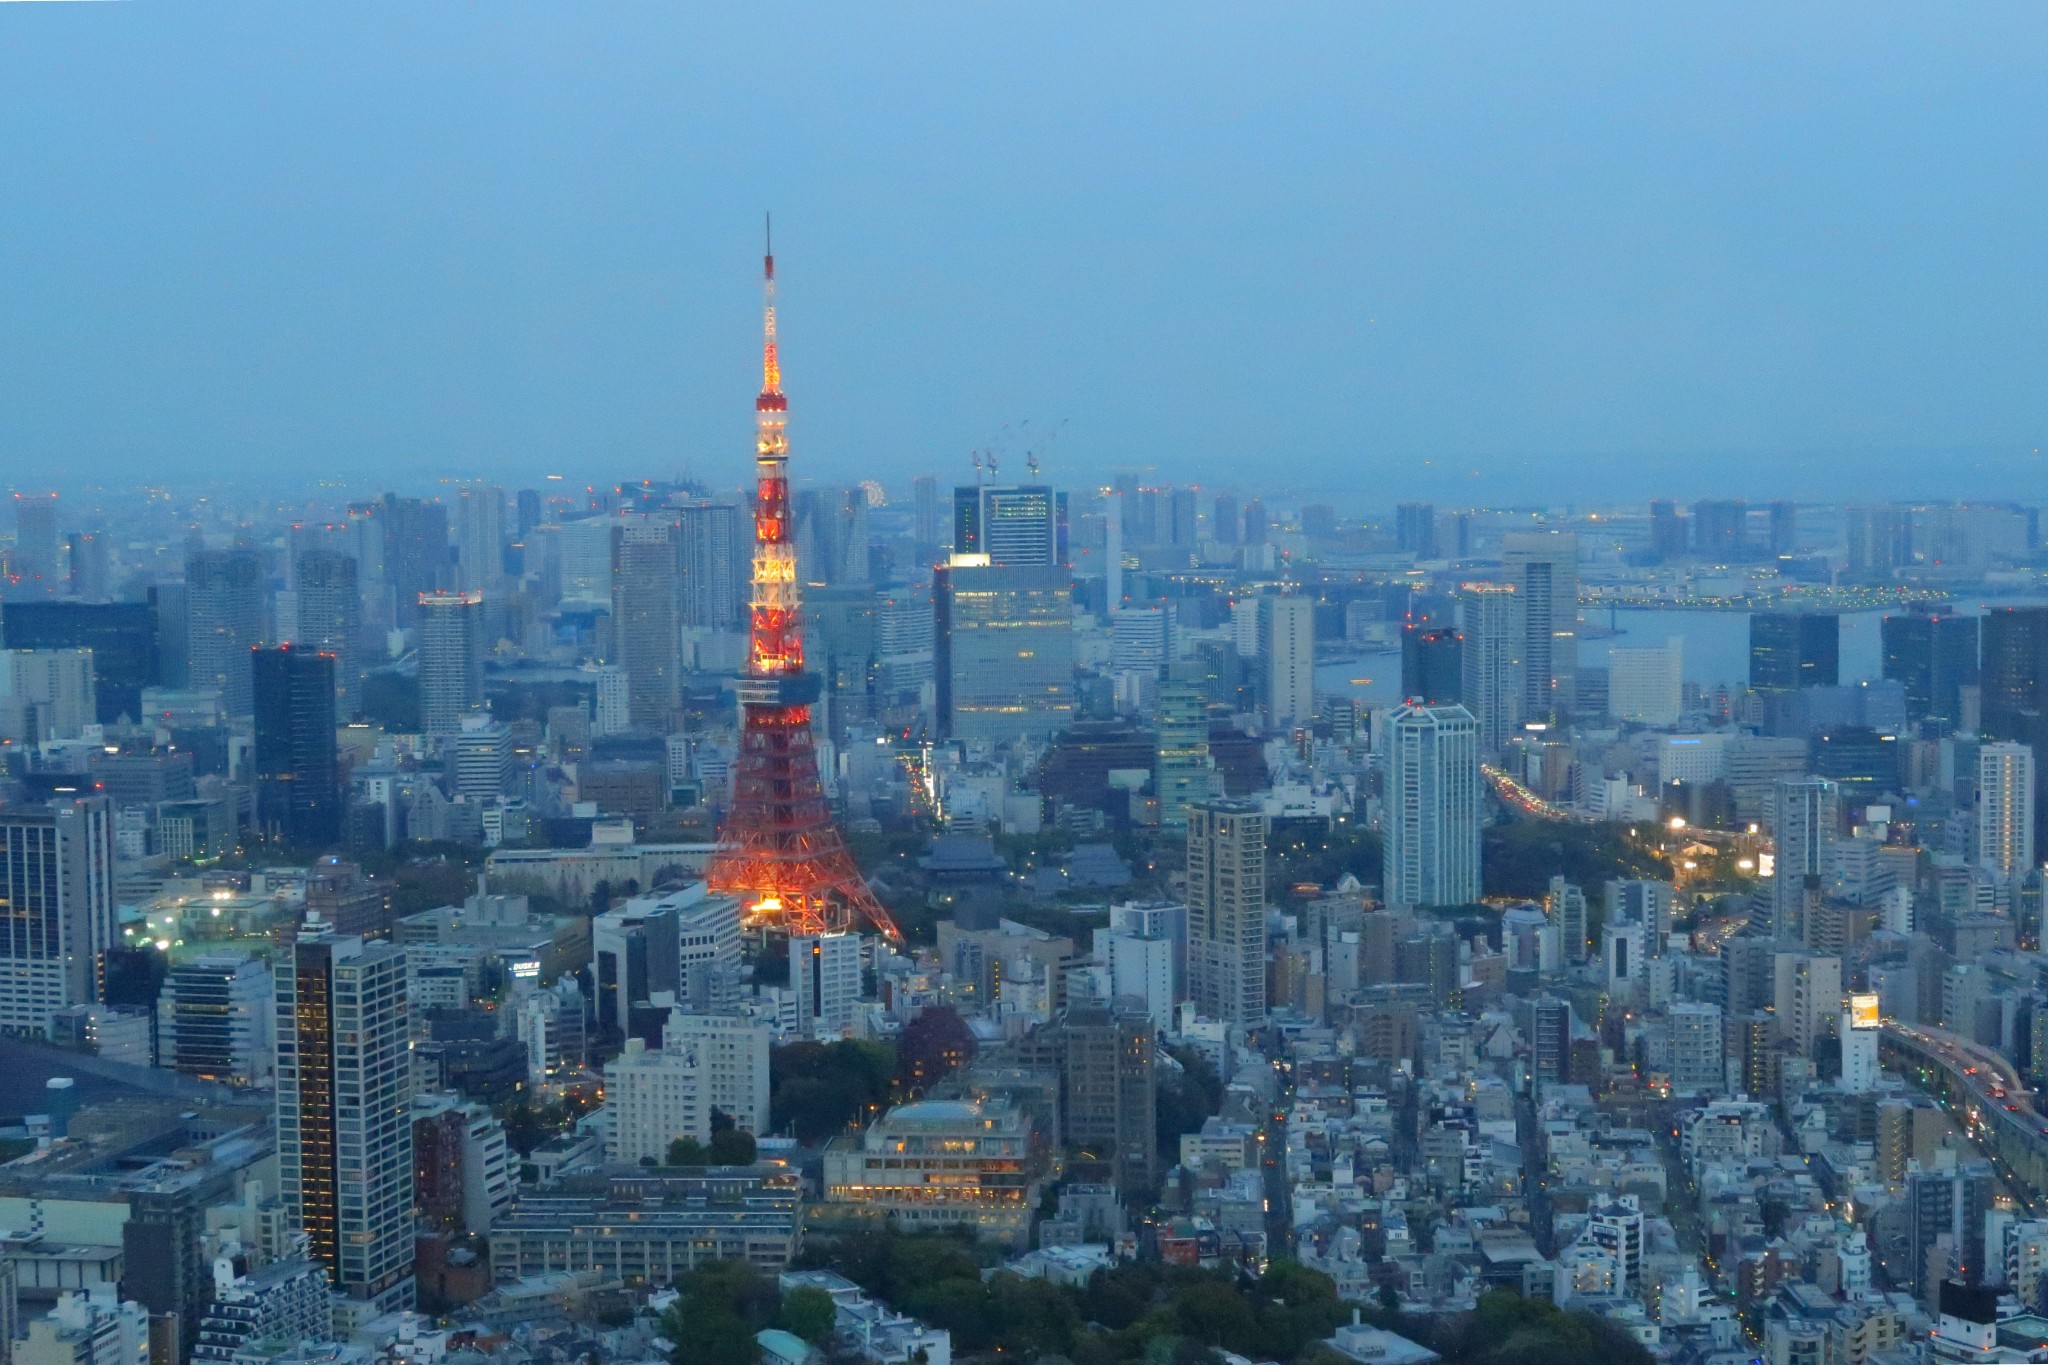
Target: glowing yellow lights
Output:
{"points": [[1677, 822]]}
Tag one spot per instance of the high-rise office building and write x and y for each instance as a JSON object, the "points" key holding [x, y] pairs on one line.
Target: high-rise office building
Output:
{"points": [[1140, 639], [1720, 530], [2014, 675], [1543, 569], [46, 694], [1255, 522], [1784, 533], [1434, 807], [1793, 649], [121, 635], [298, 766], [480, 539], [215, 1019], [927, 523], [1004, 639], [331, 619], [1805, 822], [344, 1133], [1226, 526], [528, 512], [480, 759], [1933, 656], [645, 570], [1667, 531], [2005, 810], [33, 566], [57, 888], [1184, 771], [1433, 665], [223, 623], [415, 548], [1227, 910], [1287, 659], [1109, 1088], [451, 654], [714, 554], [1415, 529], [1492, 687], [1013, 524], [1646, 686], [824, 972]]}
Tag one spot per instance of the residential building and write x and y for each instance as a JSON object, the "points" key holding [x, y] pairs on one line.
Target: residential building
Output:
{"points": [[1433, 807], [344, 1140], [1226, 875]]}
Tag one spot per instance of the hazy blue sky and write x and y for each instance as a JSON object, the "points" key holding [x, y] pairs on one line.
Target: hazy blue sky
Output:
{"points": [[1465, 252]]}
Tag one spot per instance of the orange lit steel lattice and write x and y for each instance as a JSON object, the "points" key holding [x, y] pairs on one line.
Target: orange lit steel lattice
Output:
{"points": [[780, 849]]}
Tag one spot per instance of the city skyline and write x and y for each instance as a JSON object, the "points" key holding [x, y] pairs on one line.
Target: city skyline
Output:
{"points": [[509, 248]]}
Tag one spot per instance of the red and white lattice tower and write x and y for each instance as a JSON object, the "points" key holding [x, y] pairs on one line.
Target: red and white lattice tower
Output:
{"points": [[780, 849]]}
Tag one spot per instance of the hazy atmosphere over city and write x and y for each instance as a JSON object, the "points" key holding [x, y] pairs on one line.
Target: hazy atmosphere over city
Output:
{"points": [[1150, 684], [1449, 251]]}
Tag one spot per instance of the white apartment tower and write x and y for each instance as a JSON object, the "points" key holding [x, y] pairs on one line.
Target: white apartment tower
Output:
{"points": [[1433, 807]]}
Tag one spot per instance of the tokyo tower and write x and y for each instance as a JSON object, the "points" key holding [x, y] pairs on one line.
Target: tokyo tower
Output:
{"points": [[779, 849]]}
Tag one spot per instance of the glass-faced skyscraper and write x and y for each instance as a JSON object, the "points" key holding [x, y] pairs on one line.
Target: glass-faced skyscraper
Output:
{"points": [[344, 1130], [298, 777], [1010, 523], [57, 891]]}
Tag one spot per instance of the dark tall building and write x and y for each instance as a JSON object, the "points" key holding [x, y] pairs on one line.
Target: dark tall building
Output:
{"points": [[2014, 674], [298, 770], [331, 619], [1255, 522], [163, 1262], [1667, 531], [416, 558], [1415, 529], [1225, 526], [1720, 529], [223, 622], [527, 512], [1933, 655], [1784, 528], [1432, 666], [121, 635], [1789, 649]]}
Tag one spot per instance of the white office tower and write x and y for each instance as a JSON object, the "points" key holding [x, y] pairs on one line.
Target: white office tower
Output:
{"points": [[57, 890], [824, 971], [1227, 911], [1287, 659], [214, 1019], [1140, 639], [652, 1096], [1858, 1028], [1491, 615], [344, 1131], [1433, 807], [1696, 1048], [1806, 819], [482, 758], [1645, 686], [46, 694], [707, 946], [732, 1057], [2005, 811], [610, 716], [1140, 967], [1543, 569]]}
